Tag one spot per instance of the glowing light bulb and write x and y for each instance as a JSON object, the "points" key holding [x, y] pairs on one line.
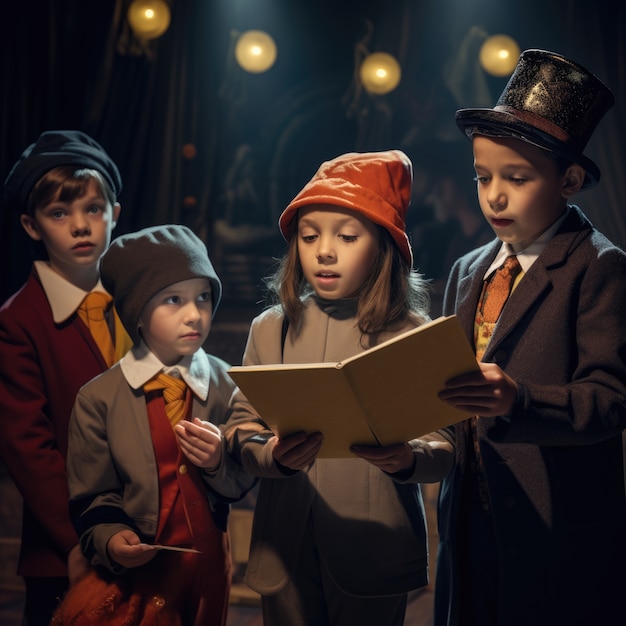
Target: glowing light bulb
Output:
{"points": [[499, 54], [149, 19], [380, 73], [255, 51]]}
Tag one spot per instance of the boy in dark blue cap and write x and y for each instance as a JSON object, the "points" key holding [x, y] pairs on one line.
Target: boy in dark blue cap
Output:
{"points": [[56, 333], [533, 518]]}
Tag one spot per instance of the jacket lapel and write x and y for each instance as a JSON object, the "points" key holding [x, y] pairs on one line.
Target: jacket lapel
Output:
{"points": [[538, 280], [470, 287]]}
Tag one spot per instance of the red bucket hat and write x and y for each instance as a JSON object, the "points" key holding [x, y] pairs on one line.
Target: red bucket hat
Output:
{"points": [[375, 184]]}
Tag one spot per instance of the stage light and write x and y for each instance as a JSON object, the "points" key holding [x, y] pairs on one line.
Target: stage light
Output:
{"points": [[149, 19], [380, 73], [499, 55], [255, 51]]}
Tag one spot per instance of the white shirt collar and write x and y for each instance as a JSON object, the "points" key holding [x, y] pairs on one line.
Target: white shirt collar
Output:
{"points": [[140, 364], [63, 296], [528, 255]]}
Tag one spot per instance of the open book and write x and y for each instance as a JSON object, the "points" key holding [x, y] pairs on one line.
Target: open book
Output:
{"points": [[384, 395]]}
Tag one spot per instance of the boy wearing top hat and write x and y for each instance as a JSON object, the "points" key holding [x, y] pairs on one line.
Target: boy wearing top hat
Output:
{"points": [[64, 187], [146, 461], [532, 521]]}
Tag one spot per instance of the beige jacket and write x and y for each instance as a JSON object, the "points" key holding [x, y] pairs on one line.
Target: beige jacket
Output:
{"points": [[112, 470], [369, 528]]}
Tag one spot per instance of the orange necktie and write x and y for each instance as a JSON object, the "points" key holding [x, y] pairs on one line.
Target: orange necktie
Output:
{"points": [[499, 289], [496, 292], [93, 313], [174, 395]]}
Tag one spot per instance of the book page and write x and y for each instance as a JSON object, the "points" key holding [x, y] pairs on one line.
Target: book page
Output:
{"points": [[384, 395], [398, 385], [309, 398]]}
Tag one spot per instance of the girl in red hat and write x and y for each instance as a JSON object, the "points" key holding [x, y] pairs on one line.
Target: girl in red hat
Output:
{"points": [[339, 540]]}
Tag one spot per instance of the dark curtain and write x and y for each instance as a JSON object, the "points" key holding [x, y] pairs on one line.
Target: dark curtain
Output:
{"points": [[598, 32], [200, 142], [76, 64]]}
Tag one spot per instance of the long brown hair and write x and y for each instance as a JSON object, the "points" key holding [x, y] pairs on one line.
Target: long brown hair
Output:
{"points": [[392, 294]]}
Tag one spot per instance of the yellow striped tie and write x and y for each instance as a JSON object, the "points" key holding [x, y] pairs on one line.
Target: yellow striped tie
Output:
{"points": [[174, 395]]}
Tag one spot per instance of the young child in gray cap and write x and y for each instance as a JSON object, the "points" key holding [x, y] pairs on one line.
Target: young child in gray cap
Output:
{"points": [[64, 188], [150, 481]]}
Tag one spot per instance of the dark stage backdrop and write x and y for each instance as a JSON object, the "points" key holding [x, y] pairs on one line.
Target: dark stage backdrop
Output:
{"points": [[201, 142]]}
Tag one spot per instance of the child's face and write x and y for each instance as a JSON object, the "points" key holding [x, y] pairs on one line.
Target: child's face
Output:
{"points": [[520, 189], [337, 249], [177, 320], [75, 234]]}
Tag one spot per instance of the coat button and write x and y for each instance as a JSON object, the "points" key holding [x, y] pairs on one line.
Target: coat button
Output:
{"points": [[158, 601], [182, 469]]}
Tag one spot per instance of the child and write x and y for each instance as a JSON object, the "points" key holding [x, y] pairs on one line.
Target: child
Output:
{"points": [[339, 541], [139, 470], [533, 518], [65, 188]]}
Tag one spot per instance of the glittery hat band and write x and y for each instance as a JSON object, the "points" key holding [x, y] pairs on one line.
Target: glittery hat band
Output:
{"points": [[537, 121]]}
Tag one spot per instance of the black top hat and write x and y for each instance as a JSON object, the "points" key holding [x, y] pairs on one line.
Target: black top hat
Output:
{"points": [[550, 102]]}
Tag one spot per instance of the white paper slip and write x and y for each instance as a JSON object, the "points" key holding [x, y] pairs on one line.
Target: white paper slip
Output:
{"points": [[157, 546]]}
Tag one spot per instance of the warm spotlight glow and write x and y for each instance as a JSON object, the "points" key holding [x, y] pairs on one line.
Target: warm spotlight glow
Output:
{"points": [[149, 19], [499, 55], [255, 51], [380, 73]]}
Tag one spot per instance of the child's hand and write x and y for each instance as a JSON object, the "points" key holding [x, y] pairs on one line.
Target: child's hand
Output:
{"points": [[392, 459], [201, 442], [487, 393], [297, 451], [126, 549]]}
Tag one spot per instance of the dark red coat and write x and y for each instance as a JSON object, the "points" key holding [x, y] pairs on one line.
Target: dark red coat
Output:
{"points": [[42, 366]]}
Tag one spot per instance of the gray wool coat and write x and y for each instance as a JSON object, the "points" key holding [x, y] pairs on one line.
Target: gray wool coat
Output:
{"points": [[369, 527], [112, 469], [554, 467]]}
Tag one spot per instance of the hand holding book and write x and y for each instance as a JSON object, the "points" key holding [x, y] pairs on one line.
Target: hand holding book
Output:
{"points": [[381, 396]]}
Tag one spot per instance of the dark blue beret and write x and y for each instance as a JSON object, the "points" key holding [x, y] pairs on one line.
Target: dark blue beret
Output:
{"points": [[53, 149]]}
